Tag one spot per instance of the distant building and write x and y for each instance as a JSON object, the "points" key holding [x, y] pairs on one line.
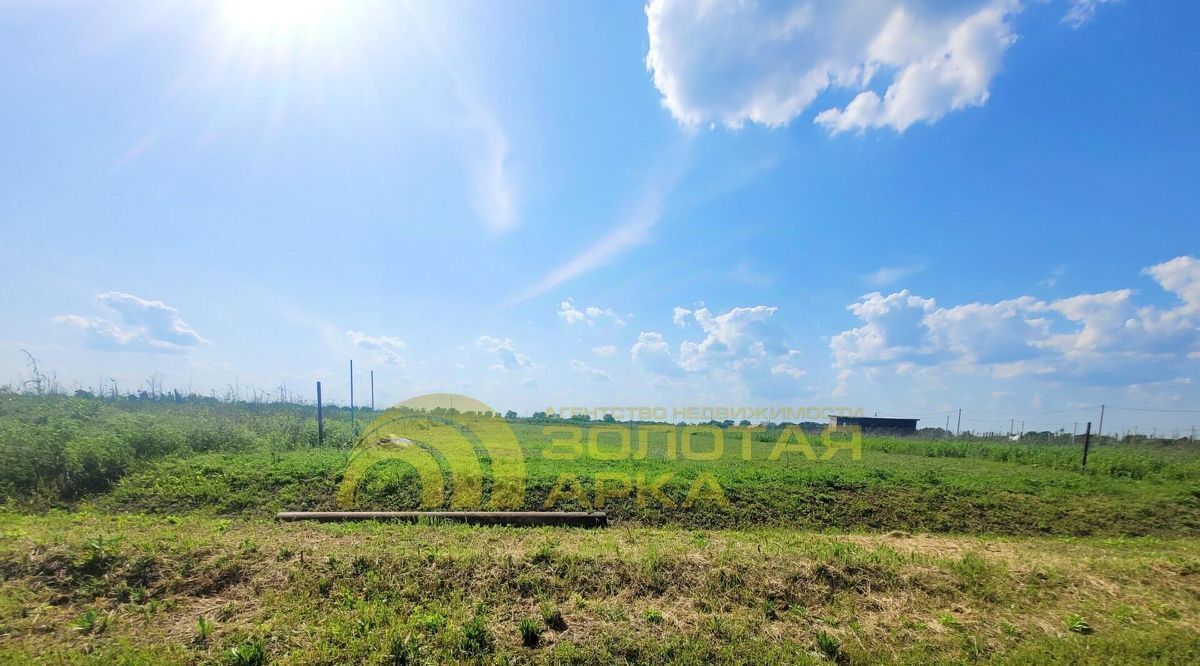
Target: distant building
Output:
{"points": [[875, 425]]}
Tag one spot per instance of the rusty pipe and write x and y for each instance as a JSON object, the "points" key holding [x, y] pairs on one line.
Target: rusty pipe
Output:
{"points": [[513, 518]]}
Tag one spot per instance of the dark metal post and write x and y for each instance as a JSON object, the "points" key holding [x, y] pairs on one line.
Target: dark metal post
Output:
{"points": [[1087, 440], [320, 418]]}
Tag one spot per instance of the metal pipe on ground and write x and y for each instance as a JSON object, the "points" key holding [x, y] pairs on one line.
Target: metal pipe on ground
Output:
{"points": [[512, 518]]}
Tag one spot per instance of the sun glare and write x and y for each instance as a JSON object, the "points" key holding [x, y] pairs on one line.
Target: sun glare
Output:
{"points": [[279, 21]]}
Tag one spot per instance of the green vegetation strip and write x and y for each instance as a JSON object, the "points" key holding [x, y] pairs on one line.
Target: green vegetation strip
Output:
{"points": [[254, 460]]}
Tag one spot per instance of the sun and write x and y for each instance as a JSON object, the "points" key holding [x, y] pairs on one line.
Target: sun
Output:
{"points": [[279, 21]]}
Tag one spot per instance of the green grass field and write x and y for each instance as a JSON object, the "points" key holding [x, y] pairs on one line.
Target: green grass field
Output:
{"points": [[141, 531]]}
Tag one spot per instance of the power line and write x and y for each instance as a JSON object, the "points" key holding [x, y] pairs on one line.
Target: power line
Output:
{"points": [[1159, 411], [1048, 411], [919, 416]]}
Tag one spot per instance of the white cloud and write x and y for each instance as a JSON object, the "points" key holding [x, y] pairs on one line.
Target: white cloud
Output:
{"points": [[1180, 276], [484, 139], [590, 315], [146, 326], [680, 315], [733, 335], [633, 230], [891, 331], [508, 358], [567, 311], [595, 314], [1055, 275], [593, 374], [788, 370], [743, 348], [951, 71], [385, 348], [652, 354], [768, 62], [604, 350], [889, 275], [990, 333], [1082, 11], [1096, 339], [495, 194]]}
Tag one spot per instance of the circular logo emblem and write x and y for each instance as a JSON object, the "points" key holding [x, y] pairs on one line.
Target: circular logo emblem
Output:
{"points": [[443, 437]]}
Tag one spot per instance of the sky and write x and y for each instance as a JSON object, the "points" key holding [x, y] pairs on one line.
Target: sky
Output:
{"points": [[905, 206]]}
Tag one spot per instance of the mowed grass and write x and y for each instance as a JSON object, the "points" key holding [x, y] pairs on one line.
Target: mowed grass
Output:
{"points": [[91, 588]]}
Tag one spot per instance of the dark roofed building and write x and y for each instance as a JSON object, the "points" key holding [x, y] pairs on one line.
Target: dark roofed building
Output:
{"points": [[875, 425]]}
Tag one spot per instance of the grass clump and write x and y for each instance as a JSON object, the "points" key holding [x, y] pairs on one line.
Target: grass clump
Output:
{"points": [[829, 646], [553, 618], [250, 653], [531, 632], [1076, 624], [476, 637]]}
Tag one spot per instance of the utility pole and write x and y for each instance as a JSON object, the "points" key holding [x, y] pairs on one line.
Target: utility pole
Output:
{"points": [[1100, 426], [372, 390], [320, 418], [1087, 439], [958, 425], [1011, 423], [1074, 429]]}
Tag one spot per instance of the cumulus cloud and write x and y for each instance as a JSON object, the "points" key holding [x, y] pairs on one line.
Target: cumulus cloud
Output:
{"points": [[892, 330], [140, 325], [740, 333], [569, 313], [767, 62], [1096, 338], [591, 373], [680, 315], [590, 315], [385, 348], [604, 350], [1180, 276], [651, 353], [744, 346], [507, 357]]}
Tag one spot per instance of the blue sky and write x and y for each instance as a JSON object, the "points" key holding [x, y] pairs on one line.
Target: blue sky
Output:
{"points": [[910, 207]]}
